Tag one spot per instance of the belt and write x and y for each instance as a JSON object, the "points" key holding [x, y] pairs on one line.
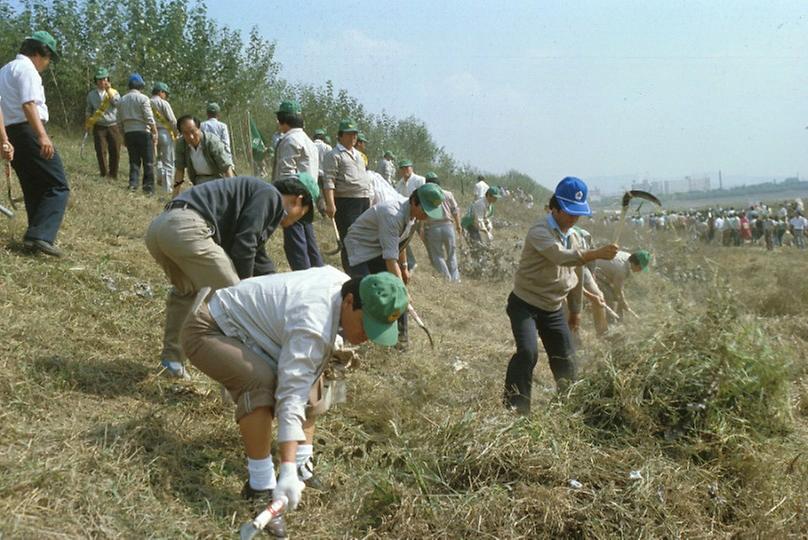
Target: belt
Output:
{"points": [[181, 205]]}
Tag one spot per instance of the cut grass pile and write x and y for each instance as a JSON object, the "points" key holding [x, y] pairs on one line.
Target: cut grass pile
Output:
{"points": [[690, 422]]}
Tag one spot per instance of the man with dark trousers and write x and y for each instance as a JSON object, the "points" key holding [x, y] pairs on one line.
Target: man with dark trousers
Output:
{"points": [[214, 235], [139, 133], [102, 119], [296, 153], [550, 271], [347, 188], [36, 161]]}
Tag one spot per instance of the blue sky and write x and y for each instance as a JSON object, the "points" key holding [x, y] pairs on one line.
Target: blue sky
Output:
{"points": [[552, 88]]}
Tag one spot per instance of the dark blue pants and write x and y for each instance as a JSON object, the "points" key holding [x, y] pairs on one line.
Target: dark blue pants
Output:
{"points": [[348, 209], [141, 152], [375, 266], [43, 182], [551, 326], [300, 246]]}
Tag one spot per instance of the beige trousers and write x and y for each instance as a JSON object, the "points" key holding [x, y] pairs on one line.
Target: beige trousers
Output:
{"points": [[248, 377], [181, 242]]}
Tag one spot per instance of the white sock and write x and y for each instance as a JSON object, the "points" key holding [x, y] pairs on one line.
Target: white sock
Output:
{"points": [[262, 473], [305, 467], [176, 366]]}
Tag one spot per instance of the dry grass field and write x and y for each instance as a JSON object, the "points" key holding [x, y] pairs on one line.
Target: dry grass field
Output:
{"points": [[690, 422]]}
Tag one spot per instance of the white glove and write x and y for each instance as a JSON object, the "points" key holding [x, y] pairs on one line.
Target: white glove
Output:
{"points": [[288, 485], [490, 235]]}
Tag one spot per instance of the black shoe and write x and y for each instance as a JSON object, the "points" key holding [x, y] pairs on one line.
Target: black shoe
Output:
{"points": [[262, 498], [43, 247], [313, 481]]}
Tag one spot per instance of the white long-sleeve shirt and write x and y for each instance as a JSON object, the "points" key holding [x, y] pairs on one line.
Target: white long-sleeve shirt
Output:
{"points": [[480, 189], [408, 186], [290, 320], [382, 190], [295, 153], [218, 128], [20, 83]]}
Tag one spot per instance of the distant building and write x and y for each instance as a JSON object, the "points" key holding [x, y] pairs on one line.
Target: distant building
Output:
{"points": [[667, 187]]}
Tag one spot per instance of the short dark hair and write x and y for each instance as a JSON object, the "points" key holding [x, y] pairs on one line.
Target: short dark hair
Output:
{"points": [[432, 181], [181, 120], [32, 47], [292, 186], [294, 120], [633, 259], [414, 200], [352, 287], [553, 204], [318, 136]]}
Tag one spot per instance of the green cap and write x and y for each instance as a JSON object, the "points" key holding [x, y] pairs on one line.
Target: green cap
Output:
{"points": [[384, 300], [404, 163], [494, 192], [101, 73], [289, 106], [47, 40], [388, 153], [319, 131], [431, 175], [431, 198], [160, 87], [213, 107], [643, 258], [310, 184], [361, 137], [347, 125]]}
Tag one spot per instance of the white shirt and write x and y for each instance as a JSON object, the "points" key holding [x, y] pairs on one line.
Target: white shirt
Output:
{"points": [[322, 149], [201, 165], [295, 153], [407, 187], [215, 127], [719, 224], [291, 321], [21, 83], [383, 191], [480, 188], [799, 223]]}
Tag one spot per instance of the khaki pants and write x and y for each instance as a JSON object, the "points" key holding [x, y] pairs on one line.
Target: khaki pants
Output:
{"points": [[181, 242], [248, 377]]}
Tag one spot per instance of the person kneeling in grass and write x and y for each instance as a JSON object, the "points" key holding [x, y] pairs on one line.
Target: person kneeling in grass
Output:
{"points": [[267, 340], [549, 271]]}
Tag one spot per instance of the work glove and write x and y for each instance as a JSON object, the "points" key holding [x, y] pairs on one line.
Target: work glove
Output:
{"points": [[288, 485], [490, 235]]}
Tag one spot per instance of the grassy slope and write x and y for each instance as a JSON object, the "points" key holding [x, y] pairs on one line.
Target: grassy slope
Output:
{"points": [[94, 443]]}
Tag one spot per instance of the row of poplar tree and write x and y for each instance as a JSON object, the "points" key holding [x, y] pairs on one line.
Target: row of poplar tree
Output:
{"points": [[177, 42]]}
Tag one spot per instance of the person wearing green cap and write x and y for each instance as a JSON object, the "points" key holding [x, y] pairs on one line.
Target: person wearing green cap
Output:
{"points": [[136, 117], [386, 167], [36, 161], [347, 189], [102, 118], [477, 220], [166, 135], [611, 276], [361, 145], [439, 235], [295, 153], [268, 341], [214, 234], [373, 243], [215, 126]]}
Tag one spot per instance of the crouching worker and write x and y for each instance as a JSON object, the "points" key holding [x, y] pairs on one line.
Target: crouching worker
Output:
{"points": [[213, 235], [267, 341], [549, 271]]}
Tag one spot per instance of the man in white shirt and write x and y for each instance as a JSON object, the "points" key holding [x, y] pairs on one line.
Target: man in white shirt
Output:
{"points": [[36, 161], [386, 167], [798, 225], [267, 340], [296, 153], [480, 188], [477, 220], [214, 126], [408, 183], [166, 123]]}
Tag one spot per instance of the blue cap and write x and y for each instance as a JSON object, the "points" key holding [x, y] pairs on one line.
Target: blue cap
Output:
{"points": [[571, 194], [136, 79]]}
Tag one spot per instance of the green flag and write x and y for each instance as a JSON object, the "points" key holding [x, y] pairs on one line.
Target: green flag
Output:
{"points": [[259, 147]]}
